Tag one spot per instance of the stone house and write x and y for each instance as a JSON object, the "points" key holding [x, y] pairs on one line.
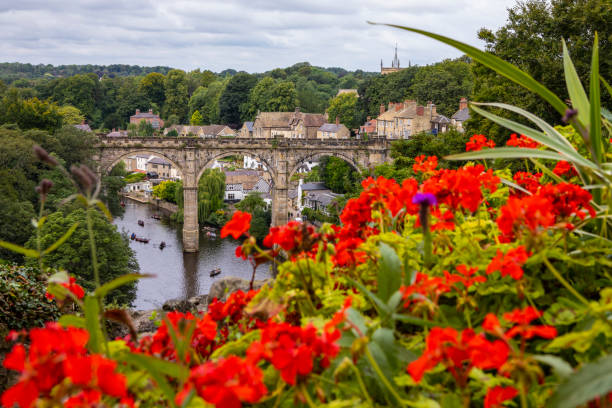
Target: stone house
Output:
{"points": [[205, 131], [404, 119], [440, 124], [149, 117], [305, 125], [289, 125], [83, 126], [320, 200], [246, 130], [160, 166], [333, 131], [368, 129], [249, 162], [461, 115], [239, 183]]}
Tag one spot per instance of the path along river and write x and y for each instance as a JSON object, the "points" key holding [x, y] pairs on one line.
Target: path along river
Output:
{"points": [[178, 275]]}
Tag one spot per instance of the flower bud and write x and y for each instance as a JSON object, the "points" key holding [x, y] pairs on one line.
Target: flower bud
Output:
{"points": [[45, 157], [569, 115], [81, 177], [44, 187]]}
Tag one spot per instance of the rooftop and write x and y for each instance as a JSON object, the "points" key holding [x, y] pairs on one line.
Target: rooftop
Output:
{"points": [[331, 127], [313, 186], [461, 115]]}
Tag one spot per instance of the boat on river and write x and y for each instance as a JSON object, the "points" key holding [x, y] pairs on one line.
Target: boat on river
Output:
{"points": [[209, 229], [156, 217], [142, 239], [215, 272], [141, 223], [210, 234], [162, 245]]}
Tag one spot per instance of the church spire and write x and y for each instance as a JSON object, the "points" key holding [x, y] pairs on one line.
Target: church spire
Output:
{"points": [[396, 62]]}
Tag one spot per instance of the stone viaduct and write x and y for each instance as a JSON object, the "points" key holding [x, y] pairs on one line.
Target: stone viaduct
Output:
{"points": [[282, 157]]}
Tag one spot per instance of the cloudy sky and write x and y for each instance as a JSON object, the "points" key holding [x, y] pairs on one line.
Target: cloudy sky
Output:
{"points": [[250, 35]]}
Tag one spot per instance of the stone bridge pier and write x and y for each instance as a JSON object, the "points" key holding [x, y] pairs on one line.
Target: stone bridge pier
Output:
{"points": [[282, 158]]}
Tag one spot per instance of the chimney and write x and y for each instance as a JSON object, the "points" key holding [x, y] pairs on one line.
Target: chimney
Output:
{"points": [[137, 111], [420, 110], [433, 110], [398, 106], [368, 119], [391, 104], [337, 120], [463, 103], [382, 108], [83, 122], [151, 111]]}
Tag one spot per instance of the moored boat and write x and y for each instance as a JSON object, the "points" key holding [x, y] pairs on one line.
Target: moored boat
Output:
{"points": [[215, 272], [141, 223]]}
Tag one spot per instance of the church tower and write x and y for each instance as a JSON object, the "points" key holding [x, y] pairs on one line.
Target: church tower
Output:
{"points": [[395, 64]]}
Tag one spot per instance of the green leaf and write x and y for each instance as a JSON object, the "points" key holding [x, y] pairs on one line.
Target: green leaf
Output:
{"points": [[551, 137], [606, 85], [30, 253], [561, 367], [498, 65], [595, 128], [574, 88], [120, 281], [72, 321], [92, 323], [63, 239], [389, 272], [591, 381], [104, 210], [413, 320], [156, 369], [381, 307], [506, 153]]}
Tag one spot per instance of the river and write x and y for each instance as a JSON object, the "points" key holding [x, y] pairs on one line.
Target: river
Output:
{"points": [[178, 275]]}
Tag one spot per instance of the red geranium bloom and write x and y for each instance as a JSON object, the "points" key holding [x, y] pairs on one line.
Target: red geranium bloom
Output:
{"points": [[522, 141], [522, 318], [567, 200], [425, 164], [510, 263], [530, 182], [497, 395], [477, 142], [238, 225], [72, 286], [226, 383], [532, 212], [563, 168]]}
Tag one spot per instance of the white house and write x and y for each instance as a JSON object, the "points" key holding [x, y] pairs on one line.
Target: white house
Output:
{"points": [[139, 187], [234, 192], [252, 163]]}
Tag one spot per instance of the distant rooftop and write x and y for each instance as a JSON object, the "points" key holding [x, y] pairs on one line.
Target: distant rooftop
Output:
{"points": [[317, 185]]}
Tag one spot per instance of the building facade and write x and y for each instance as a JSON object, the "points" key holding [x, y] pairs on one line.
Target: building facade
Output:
{"points": [[461, 115], [404, 119], [333, 131], [148, 117]]}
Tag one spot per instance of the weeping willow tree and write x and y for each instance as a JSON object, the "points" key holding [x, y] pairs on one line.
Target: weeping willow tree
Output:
{"points": [[211, 190]]}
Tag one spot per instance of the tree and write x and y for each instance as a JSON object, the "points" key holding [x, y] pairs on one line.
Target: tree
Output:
{"points": [[29, 114], [71, 115], [16, 220], [166, 190], [115, 258], [74, 145], [338, 175], [531, 40], [153, 87], [404, 151], [235, 97], [130, 98], [196, 118], [145, 128], [80, 91], [344, 107], [211, 191], [177, 96], [260, 223], [444, 83], [251, 202]]}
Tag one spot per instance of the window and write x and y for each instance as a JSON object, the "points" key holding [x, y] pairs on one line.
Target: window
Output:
{"points": [[230, 196]]}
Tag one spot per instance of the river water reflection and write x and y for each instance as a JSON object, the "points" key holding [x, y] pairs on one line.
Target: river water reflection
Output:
{"points": [[178, 275]]}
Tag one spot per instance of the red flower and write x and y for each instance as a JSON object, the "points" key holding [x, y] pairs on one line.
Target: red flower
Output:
{"points": [[238, 225], [477, 142], [522, 318], [497, 395], [563, 168], [425, 164], [510, 263], [55, 355], [226, 383], [72, 286], [530, 182], [532, 212], [522, 141], [568, 200]]}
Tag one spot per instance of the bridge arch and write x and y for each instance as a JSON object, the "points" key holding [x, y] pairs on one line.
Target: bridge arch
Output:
{"points": [[209, 161], [299, 163], [114, 160]]}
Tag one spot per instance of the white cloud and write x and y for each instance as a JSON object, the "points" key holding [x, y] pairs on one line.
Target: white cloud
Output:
{"points": [[250, 35]]}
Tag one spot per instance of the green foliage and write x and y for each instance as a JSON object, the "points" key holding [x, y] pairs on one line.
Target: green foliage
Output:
{"points": [[115, 258], [270, 96], [260, 223], [196, 118], [338, 175], [234, 98], [145, 129], [153, 87], [29, 113], [211, 191], [16, 220], [531, 40], [134, 177], [344, 107], [22, 298], [404, 151], [251, 202], [177, 96], [166, 190], [71, 115], [444, 83]]}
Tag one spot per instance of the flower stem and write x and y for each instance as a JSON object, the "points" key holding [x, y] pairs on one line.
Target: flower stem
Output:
{"points": [[565, 283], [309, 401], [384, 379]]}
